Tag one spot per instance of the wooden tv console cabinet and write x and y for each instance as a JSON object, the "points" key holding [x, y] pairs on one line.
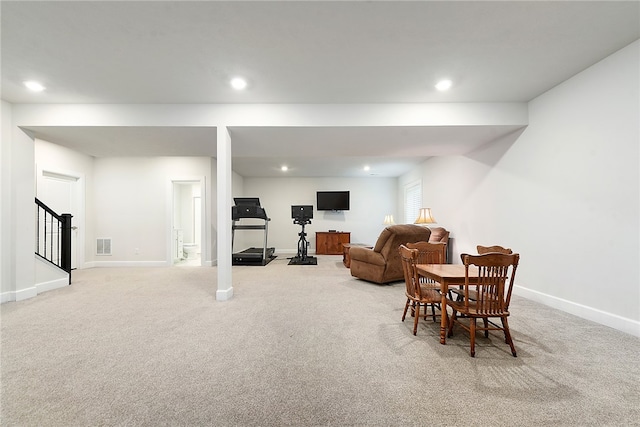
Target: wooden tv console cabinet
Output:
{"points": [[330, 242]]}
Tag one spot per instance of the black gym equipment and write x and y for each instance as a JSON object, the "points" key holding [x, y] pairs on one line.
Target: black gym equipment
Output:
{"points": [[302, 215], [249, 208]]}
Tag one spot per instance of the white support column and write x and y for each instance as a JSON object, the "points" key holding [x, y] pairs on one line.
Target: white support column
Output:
{"points": [[21, 219], [224, 176], [7, 261]]}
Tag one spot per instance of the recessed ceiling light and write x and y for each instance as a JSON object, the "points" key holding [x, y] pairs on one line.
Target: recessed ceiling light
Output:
{"points": [[444, 84], [238, 83], [34, 86], [284, 168], [366, 168]]}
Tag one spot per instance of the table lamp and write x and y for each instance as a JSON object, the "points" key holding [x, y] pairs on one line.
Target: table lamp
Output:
{"points": [[425, 217], [388, 220]]}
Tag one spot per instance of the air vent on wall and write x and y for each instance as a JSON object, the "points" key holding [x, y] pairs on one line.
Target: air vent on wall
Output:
{"points": [[103, 247]]}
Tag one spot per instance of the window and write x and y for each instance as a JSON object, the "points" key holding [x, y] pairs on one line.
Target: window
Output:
{"points": [[412, 201]]}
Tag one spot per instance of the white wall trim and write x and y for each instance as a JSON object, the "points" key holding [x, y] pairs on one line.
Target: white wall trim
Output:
{"points": [[216, 115], [7, 297], [100, 264], [224, 294], [289, 252], [620, 323], [52, 284], [26, 293], [128, 264], [33, 291]]}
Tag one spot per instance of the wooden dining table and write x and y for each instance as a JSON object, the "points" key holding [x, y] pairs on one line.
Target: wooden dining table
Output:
{"points": [[448, 275]]}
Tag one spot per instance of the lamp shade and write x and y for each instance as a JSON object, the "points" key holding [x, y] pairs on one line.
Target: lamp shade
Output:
{"points": [[425, 217], [388, 220]]}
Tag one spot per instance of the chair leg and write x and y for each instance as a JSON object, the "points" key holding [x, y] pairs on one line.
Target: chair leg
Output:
{"points": [[406, 307], [507, 335], [486, 327], [472, 331], [415, 319], [433, 311], [453, 320]]}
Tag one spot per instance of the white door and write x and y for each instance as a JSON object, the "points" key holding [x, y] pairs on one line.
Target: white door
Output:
{"points": [[60, 192]]}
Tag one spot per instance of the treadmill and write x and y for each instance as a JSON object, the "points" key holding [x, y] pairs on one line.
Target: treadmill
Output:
{"points": [[249, 208]]}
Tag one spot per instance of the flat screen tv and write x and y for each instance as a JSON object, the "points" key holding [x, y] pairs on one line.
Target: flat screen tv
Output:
{"points": [[332, 200], [302, 212]]}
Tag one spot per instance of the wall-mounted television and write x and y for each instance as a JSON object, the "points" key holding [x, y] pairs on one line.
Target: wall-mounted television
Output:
{"points": [[332, 200]]}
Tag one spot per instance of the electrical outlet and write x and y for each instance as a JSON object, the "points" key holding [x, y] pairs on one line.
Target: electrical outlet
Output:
{"points": [[137, 251]]}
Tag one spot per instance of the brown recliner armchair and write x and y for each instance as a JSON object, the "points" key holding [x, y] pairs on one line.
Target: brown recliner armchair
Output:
{"points": [[439, 234], [382, 263]]}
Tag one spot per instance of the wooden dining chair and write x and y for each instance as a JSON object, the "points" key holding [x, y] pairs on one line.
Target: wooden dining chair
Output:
{"points": [[419, 295], [486, 249], [430, 253], [492, 288], [481, 251]]}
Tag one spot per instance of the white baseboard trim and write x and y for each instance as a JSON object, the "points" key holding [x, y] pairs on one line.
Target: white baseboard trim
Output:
{"points": [[23, 294], [620, 323], [291, 253], [7, 297], [52, 284], [33, 291], [128, 264], [224, 294], [94, 264]]}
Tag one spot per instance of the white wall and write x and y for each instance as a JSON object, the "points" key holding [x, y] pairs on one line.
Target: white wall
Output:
{"points": [[133, 205], [371, 199], [56, 158], [123, 188], [565, 195]]}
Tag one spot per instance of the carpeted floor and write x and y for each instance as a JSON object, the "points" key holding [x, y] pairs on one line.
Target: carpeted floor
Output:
{"points": [[296, 346]]}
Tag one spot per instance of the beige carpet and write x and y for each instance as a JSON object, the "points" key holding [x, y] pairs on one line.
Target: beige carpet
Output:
{"points": [[298, 346]]}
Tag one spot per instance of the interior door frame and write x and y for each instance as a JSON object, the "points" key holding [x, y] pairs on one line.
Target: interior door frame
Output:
{"points": [[203, 218], [78, 198]]}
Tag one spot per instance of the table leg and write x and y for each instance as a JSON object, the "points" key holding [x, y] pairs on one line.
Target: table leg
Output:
{"points": [[443, 313]]}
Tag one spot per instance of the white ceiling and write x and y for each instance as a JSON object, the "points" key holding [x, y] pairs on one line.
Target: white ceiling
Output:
{"points": [[347, 52]]}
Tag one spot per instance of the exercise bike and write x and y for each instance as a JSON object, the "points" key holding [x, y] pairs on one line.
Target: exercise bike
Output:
{"points": [[302, 215]]}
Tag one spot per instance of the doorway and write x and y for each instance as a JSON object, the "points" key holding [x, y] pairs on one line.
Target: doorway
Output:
{"points": [[186, 223]]}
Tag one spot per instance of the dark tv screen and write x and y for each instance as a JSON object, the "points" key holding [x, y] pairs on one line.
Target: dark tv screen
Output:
{"points": [[332, 200], [302, 212]]}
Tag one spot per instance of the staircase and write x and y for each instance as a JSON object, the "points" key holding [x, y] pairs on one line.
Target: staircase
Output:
{"points": [[53, 237]]}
